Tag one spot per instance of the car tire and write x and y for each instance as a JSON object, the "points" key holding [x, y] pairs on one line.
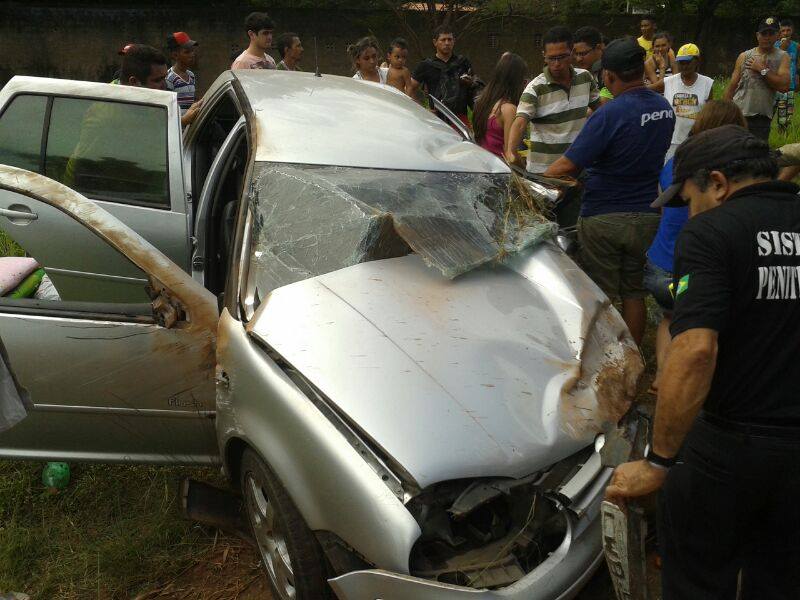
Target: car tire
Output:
{"points": [[290, 554]]}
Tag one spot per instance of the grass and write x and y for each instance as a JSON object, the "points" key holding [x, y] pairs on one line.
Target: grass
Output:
{"points": [[114, 530], [8, 247]]}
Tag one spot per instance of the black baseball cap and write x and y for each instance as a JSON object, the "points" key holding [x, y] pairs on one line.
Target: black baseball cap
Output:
{"points": [[623, 54], [770, 23], [710, 150]]}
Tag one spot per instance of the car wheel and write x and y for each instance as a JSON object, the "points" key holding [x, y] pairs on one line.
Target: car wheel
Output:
{"points": [[290, 554]]}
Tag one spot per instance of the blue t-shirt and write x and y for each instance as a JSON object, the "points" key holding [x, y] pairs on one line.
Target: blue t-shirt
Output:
{"points": [[622, 147], [792, 51], [662, 250]]}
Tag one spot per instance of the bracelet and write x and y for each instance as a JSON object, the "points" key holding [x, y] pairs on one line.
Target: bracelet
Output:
{"points": [[656, 460], [658, 466]]}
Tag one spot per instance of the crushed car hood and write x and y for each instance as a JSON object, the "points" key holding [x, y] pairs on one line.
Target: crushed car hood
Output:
{"points": [[500, 372]]}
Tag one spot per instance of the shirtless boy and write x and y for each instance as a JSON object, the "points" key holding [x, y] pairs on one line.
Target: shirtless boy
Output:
{"points": [[399, 75]]}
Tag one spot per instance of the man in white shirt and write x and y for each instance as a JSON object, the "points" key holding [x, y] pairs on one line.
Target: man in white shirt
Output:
{"points": [[687, 92]]}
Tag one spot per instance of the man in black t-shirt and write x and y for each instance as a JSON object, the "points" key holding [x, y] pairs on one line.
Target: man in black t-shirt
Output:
{"points": [[446, 76], [728, 398]]}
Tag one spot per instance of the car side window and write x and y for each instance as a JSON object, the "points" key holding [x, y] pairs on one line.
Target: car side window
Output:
{"points": [[213, 131], [21, 132], [52, 257], [109, 151]]}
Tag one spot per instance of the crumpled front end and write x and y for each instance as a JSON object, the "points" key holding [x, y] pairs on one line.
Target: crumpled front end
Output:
{"points": [[535, 538], [484, 394]]}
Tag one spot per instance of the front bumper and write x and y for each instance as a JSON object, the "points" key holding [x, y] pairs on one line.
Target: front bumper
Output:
{"points": [[560, 577]]}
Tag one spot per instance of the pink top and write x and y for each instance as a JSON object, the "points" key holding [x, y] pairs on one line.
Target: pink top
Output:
{"points": [[247, 61], [493, 140]]}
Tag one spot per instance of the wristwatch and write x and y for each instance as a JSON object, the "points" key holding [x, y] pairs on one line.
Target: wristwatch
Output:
{"points": [[657, 461], [764, 71]]}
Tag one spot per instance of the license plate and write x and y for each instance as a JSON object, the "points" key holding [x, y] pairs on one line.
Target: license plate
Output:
{"points": [[623, 545]]}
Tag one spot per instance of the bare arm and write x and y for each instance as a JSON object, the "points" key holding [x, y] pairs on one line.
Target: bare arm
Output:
{"points": [[673, 62], [650, 71], [191, 113], [562, 167], [408, 87], [780, 81], [789, 173], [514, 139], [736, 77], [683, 388], [508, 113], [658, 86]]}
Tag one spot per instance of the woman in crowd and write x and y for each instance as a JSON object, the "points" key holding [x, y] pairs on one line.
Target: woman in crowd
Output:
{"points": [[364, 54], [659, 265], [662, 63], [497, 105]]}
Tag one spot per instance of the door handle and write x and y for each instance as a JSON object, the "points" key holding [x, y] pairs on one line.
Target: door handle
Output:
{"points": [[18, 215]]}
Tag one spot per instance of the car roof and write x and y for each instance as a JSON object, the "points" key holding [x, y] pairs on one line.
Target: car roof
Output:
{"points": [[88, 89], [332, 120]]}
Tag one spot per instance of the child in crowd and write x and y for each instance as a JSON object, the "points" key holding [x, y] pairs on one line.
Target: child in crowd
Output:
{"points": [[398, 75], [364, 54], [182, 52]]}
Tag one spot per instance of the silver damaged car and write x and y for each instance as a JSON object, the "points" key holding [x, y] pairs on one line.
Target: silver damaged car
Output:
{"points": [[355, 311]]}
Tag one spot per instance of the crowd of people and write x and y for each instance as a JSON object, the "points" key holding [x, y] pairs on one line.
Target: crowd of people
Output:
{"points": [[682, 200]]}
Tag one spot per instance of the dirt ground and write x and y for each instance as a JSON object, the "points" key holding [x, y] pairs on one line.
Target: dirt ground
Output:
{"points": [[232, 572]]}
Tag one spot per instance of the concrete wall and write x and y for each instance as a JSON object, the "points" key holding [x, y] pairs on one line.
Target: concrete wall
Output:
{"points": [[80, 42]]}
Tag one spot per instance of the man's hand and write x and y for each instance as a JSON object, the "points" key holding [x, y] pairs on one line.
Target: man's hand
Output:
{"points": [[467, 80], [191, 113], [755, 63], [785, 43], [562, 168], [634, 479]]}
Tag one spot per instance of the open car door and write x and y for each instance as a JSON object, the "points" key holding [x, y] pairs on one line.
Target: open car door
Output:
{"points": [[109, 380], [120, 146]]}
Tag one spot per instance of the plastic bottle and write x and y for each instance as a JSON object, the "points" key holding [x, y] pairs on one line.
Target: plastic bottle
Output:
{"points": [[55, 475]]}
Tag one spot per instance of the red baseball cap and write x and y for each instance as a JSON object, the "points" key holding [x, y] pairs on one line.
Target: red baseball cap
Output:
{"points": [[180, 39]]}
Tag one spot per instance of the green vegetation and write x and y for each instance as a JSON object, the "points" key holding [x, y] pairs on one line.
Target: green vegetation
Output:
{"points": [[114, 530], [8, 247]]}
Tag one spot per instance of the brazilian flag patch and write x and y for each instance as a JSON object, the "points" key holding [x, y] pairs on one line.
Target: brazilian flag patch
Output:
{"points": [[683, 285]]}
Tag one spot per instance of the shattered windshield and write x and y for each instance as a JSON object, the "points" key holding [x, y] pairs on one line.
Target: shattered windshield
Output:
{"points": [[310, 219]]}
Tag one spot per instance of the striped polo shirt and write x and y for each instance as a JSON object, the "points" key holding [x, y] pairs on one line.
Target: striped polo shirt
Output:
{"points": [[556, 114], [185, 89]]}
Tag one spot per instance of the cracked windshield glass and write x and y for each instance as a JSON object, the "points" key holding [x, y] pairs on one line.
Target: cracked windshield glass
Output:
{"points": [[311, 220]]}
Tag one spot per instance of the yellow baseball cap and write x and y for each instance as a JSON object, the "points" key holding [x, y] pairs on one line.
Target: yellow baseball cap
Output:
{"points": [[688, 52]]}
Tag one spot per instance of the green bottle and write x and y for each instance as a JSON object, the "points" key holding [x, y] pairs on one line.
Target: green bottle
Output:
{"points": [[55, 475]]}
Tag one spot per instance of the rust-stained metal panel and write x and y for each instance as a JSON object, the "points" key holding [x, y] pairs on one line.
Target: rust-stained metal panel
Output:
{"points": [[114, 388]]}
